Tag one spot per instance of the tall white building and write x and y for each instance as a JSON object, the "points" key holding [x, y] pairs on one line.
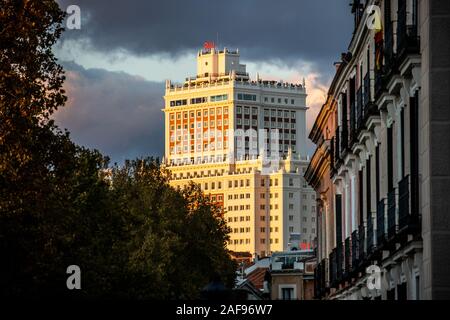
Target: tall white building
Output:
{"points": [[243, 141]]}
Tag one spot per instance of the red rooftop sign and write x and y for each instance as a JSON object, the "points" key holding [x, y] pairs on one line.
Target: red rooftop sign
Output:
{"points": [[208, 45]]}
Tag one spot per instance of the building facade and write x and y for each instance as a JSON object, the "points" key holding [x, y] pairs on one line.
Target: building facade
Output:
{"points": [[244, 142], [292, 275], [382, 164]]}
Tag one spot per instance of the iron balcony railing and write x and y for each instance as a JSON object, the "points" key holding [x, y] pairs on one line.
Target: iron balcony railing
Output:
{"points": [[388, 45], [370, 234], [353, 133], [324, 274], [370, 108], [392, 208], [344, 140], [333, 268], [340, 261], [359, 109], [403, 203], [367, 95], [336, 150], [379, 82], [355, 251], [408, 41], [361, 242], [381, 225], [348, 256], [318, 281], [406, 218], [332, 157]]}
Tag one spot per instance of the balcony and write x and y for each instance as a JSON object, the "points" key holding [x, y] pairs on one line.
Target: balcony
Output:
{"points": [[359, 109], [370, 108], [355, 251], [408, 41], [381, 225], [389, 58], [320, 275], [332, 157], [343, 148], [379, 82], [361, 243], [370, 234], [337, 147], [340, 261], [407, 219], [353, 125], [318, 281], [392, 208], [348, 257], [333, 268]]}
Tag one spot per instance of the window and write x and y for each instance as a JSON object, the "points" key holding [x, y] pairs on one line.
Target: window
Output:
{"points": [[176, 103], [291, 229], [246, 97], [291, 218], [287, 294], [198, 100], [218, 98]]}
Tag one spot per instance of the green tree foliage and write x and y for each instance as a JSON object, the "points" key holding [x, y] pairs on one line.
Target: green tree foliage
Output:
{"points": [[132, 235]]}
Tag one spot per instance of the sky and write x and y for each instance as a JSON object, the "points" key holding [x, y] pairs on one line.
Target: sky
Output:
{"points": [[117, 63]]}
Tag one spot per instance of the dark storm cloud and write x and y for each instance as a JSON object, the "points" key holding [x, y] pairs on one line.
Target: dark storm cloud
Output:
{"points": [[313, 30], [114, 112]]}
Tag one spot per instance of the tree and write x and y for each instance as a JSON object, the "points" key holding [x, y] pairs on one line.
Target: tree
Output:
{"points": [[132, 234], [177, 237]]}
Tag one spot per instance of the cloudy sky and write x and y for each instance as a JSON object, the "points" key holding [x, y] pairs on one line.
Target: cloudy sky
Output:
{"points": [[118, 62]]}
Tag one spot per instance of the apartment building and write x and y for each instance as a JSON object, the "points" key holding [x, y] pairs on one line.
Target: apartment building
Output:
{"points": [[382, 164], [244, 142]]}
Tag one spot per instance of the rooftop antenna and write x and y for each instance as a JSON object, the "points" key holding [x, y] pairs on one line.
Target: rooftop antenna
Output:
{"points": [[217, 40]]}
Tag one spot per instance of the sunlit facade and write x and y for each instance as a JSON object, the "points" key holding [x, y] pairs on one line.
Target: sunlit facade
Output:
{"points": [[379, 169], [243, 142]]}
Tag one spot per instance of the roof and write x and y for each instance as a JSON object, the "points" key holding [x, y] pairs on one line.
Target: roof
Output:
{"points": [[257, 277]]}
